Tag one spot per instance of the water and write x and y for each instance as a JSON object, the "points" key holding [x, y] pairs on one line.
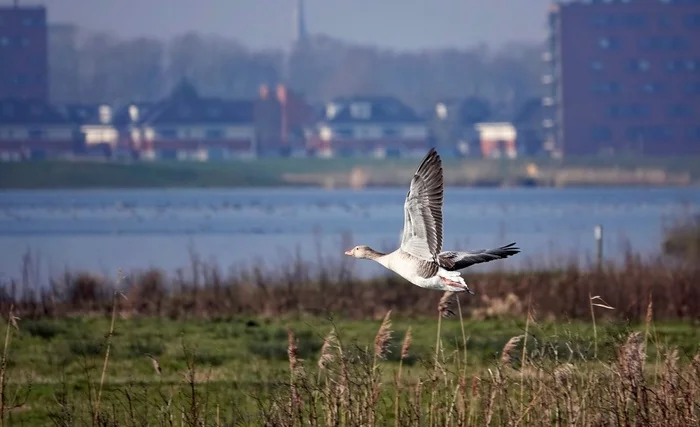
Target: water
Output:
{"points": [[104, 230]]}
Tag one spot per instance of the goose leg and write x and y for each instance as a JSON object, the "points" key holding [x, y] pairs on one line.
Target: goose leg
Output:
{"points": [[449, 282]]}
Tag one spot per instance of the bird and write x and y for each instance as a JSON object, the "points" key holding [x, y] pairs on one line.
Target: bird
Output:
{"points": [[419, 257]]}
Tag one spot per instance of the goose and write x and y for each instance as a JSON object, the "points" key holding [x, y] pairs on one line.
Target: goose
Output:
{"points": [[419, 258]]}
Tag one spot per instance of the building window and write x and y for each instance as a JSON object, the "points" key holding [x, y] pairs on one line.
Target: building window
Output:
{"points": [[606, 87], [649, 133], [609, 43], [635, 20], [633, 111], [654, 87], [694, 133], [167, 133], [638, 65], [664, 43], [673, 65], [692, 20], [664, 21], [214, 134], [360, 110], [343, 133], [601, 133], [596, 65], [36, 133], [391, 132], [692, 88], [601, 21], [679, 110]]}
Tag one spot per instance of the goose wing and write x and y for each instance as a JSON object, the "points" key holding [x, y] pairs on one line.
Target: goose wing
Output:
{"points": [[422, 230], [462, 260]]}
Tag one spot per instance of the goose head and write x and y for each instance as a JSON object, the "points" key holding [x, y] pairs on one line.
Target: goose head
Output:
{"points": [[363, 252]]}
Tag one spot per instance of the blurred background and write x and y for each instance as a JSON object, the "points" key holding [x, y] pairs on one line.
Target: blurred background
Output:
{"points": [[150, 134]]}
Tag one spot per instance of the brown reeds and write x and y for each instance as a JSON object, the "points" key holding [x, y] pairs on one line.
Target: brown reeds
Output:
{"points": [[614, 388], [555, 292], [552, 391]]}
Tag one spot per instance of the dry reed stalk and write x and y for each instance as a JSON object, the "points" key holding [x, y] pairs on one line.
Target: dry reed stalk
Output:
{"points": [[11, 322], [443, 311], [593, 302], [295, 400], [474, 399], [381, 340], [464, 335], [404, 354], [509, 347], [524, 354], [326, 356], [115, 297], [381, 348]]}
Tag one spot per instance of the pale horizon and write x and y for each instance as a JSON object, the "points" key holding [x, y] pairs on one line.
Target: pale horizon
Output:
{"points": [[270, 24]]}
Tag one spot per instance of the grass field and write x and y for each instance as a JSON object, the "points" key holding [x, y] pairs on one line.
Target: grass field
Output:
{"points": [[273, 172], [54, 366], [602, 345]]}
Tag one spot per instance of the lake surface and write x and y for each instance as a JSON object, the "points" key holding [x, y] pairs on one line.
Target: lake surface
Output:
{"points": [[104, 230]]}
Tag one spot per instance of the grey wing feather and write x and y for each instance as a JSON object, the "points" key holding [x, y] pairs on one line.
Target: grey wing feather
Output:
{"points": [[460, 260], [422, 231]]}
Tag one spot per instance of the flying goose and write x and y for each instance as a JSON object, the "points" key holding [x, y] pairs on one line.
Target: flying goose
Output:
{"points": [[419, 259]]}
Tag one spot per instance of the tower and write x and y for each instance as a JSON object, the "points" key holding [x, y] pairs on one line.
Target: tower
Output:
{"points": [[300, 33]]}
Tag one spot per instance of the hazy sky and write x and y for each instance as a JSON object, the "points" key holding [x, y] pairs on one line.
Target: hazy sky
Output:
{"points": [[402, 24]]}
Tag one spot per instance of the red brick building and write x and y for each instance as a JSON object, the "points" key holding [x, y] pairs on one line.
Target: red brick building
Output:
{"points": [[624, 77], [24, 70]]}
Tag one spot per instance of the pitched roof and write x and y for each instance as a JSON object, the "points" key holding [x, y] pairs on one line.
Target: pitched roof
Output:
{"points": [[20, 112], [200, 111], [80, 113], [369, 109]]}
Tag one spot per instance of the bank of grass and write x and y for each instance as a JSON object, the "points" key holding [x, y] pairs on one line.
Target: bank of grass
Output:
{"points": [[236, 370], [272, 172]]}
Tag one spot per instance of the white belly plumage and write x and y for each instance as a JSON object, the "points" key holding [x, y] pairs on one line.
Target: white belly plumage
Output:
{"points": [[408, 272]]}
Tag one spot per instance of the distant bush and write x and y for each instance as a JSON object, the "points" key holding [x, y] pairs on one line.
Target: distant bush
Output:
{"points": [[41, 328], [682, 240]]}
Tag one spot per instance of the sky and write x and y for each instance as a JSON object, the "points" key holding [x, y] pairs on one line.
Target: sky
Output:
{"points": [[259, 24]]}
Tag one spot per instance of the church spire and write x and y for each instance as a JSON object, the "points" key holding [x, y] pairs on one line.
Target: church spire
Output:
{"points": [[300, 22]]}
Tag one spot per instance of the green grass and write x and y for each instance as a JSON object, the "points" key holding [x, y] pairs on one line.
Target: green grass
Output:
{"points": [[242, 359], [269, 172]]}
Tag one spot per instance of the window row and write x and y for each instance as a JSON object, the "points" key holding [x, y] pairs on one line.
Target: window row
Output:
{"points": [[637, 20], [643, 65], [7, 41], [641, 111], [651, 88], [26, 22], [646, 133], [648, 43]]}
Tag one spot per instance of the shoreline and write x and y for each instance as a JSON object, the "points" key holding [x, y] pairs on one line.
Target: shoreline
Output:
{"points": [[350, 173]]}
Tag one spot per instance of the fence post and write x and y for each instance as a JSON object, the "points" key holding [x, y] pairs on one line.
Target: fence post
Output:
{"points": [[598, 234]]}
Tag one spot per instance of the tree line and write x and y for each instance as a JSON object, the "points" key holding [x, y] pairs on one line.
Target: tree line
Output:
{"points": [[98, 67]]}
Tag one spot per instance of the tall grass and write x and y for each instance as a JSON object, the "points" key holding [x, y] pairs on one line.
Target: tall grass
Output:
{"points": [[295, 288], [544, 388], [533, 380]]}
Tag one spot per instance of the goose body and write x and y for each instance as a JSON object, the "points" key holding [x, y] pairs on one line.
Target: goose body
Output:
{"points": [[419, 258]]}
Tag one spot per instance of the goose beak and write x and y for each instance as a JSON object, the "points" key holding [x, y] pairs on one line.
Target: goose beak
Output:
{"points": [[348, 252]]}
